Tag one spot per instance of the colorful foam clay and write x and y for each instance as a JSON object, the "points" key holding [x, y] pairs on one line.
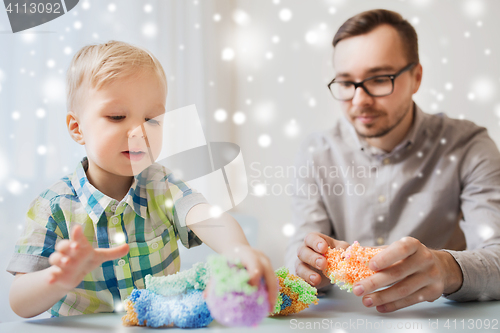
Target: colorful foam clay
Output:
{"points": [[195, 278], [170, 300], [346, 267], [186, 310], [231, 299], [294, 295]]}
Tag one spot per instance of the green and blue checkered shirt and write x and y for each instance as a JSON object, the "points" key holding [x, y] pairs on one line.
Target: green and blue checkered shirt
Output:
{"points": [[150, 218]]}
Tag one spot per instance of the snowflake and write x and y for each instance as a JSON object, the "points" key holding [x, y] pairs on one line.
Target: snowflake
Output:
{"points": [[40, 113], [239, 118], [241, 17], [220, 115], [288, 230], [228, 54], [311, 37], [292, 128], [264, 140], [149, 30], [285, 14], [41, 150]]}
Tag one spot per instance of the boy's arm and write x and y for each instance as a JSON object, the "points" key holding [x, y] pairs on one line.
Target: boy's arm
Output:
{"points": [[224, 235], [34, 293], [31, 293]]}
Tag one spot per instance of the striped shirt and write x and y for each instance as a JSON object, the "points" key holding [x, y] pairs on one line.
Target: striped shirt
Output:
{"points": [[150, 218]]}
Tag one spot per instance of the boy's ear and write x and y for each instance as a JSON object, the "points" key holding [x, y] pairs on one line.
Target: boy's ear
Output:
{"points": [[74, 128]]}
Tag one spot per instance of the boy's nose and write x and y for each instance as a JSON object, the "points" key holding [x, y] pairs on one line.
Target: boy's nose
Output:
{"points": [[138, 131]]}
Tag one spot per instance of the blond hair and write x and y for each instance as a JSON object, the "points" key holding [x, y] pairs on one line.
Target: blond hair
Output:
{"points": [[99, 64]]}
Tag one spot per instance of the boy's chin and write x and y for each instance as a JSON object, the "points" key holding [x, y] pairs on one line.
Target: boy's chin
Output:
{"points": [[137, 168]]}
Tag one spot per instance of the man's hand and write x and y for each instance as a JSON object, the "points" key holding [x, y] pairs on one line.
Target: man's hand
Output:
{"points": [[76, 258], [311, 261], [258, 266], [419, 274]]}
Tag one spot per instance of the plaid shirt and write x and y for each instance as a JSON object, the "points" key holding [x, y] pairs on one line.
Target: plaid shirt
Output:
{"points": [[150, 218]]}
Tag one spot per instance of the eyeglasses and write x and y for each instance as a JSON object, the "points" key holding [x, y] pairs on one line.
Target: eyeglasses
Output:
{"points": [[375, 86]]}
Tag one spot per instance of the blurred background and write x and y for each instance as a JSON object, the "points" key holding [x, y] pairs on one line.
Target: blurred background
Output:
{"points": [[255, 69]]}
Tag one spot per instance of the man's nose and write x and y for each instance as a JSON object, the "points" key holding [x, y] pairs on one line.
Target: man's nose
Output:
{"points": [[361, 97]]}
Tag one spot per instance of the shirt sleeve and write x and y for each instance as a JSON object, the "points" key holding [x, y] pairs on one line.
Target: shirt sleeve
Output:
{"points": [[480, 178], [308, 209], [183, 199], [38, 239]]}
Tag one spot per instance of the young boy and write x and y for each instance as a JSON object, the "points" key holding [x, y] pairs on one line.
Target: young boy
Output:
{"points": [[92, 237]]}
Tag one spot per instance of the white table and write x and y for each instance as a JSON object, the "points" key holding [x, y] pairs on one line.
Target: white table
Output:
{"points": [[337, 312]]}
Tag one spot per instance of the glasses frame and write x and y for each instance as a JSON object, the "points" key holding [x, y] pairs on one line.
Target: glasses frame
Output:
{"points": [[361, 84]]}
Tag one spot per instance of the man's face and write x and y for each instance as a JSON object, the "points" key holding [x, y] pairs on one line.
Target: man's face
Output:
{"points": [[378, 52], [119, 120]]}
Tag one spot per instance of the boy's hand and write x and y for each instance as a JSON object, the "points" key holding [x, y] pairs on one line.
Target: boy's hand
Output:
{"points": [[311, 261], [76, 258], [258, 266]]}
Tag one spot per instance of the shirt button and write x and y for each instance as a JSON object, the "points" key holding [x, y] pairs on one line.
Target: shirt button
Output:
{"points": [[380, 218], [386, 161], [115, 220], [121, 262], [154, 246], [381, 198], [113, 208], [380, 241]]}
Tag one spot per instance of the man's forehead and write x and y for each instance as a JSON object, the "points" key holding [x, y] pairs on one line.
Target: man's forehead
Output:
{"points": [[366, 70], [377, 51]]}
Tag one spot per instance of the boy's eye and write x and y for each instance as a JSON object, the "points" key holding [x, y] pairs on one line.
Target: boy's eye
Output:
{"points": [[152, 121], [116, 117]]}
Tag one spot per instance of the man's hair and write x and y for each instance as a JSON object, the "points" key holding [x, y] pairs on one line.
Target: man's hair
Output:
{"points": [[94, 66], [365, 22]]}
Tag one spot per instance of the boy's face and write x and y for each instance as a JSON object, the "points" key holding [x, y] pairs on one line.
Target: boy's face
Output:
{"points": [[118, 121]]}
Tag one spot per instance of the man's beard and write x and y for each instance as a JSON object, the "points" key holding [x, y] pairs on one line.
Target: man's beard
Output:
{"points": [[385, 130]]}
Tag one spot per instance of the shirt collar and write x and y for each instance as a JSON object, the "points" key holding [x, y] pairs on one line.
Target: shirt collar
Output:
{"points": [[409, 139], [418, 119], [95, 202]]}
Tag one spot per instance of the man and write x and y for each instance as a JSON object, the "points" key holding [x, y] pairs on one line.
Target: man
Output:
{"points": [[388, 173]]}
